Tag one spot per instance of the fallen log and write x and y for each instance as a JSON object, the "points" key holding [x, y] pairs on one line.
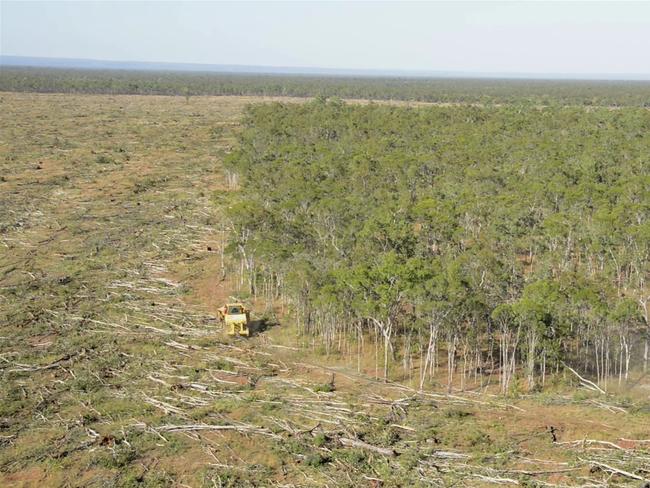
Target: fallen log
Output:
{"points": [[496, 480], [611, 469], [245, 429], [586, 442], [384, 451], [26, 368], [450, 455]]}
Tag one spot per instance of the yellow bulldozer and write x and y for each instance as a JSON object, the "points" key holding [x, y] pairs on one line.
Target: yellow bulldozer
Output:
{"points": [[236, 318]]}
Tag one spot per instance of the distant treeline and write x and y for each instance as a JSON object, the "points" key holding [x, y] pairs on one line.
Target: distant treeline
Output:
{"points": [[484, 91]]}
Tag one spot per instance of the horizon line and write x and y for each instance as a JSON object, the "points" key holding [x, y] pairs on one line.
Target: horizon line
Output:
{"points": [[87, 63]]}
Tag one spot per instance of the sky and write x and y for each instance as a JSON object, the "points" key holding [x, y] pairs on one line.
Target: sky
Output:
{"points": [[471, 37]]}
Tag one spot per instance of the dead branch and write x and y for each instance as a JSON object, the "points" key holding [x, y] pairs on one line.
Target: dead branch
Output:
{"points": [[219, 380], [158, 380], [368, 447], [183, 347], [243, 428], [587, 442], [283, 347], [24, 368], [611, 469], [165, 407], [542, 472], [450, 455], [498, 481], [611, 408], [585, 382]]}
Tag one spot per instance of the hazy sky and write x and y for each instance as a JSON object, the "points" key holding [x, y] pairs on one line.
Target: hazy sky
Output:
{"points": [[561, 37]]}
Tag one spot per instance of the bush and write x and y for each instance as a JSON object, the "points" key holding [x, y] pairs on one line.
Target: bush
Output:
{"points": [[103, 159]]}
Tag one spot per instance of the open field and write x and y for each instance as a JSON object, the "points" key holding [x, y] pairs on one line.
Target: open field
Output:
{"points": [[115, 371]]}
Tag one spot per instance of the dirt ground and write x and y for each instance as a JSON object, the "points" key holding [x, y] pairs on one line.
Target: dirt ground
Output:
{"points": [[115, 371]]}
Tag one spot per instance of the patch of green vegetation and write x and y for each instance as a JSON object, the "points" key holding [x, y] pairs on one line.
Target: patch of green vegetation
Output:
{"points": [[477, 438], [320, 439], [230, 478], [139, 478], [104, 159], [355, 457], [120, 456], [456, 413], [325, 387], [316, 460]]}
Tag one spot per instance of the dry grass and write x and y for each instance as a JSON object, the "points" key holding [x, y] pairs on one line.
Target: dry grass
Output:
{"points": [[115, 372]]}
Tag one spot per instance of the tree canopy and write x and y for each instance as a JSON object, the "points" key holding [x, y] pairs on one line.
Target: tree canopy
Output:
{"points": [[510, 222]]}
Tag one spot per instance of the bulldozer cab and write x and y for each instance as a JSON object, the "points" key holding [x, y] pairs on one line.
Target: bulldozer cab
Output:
{"points": [[236, 318]]}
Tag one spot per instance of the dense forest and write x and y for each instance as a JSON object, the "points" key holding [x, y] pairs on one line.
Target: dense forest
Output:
{"points": [[511, 241], [440, 90]]}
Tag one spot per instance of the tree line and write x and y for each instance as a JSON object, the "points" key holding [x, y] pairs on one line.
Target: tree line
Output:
{"points": [[506, 241], [440, 90]]}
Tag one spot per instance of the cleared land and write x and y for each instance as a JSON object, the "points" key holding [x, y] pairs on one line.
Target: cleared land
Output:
{"points": [[116, 373]]}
